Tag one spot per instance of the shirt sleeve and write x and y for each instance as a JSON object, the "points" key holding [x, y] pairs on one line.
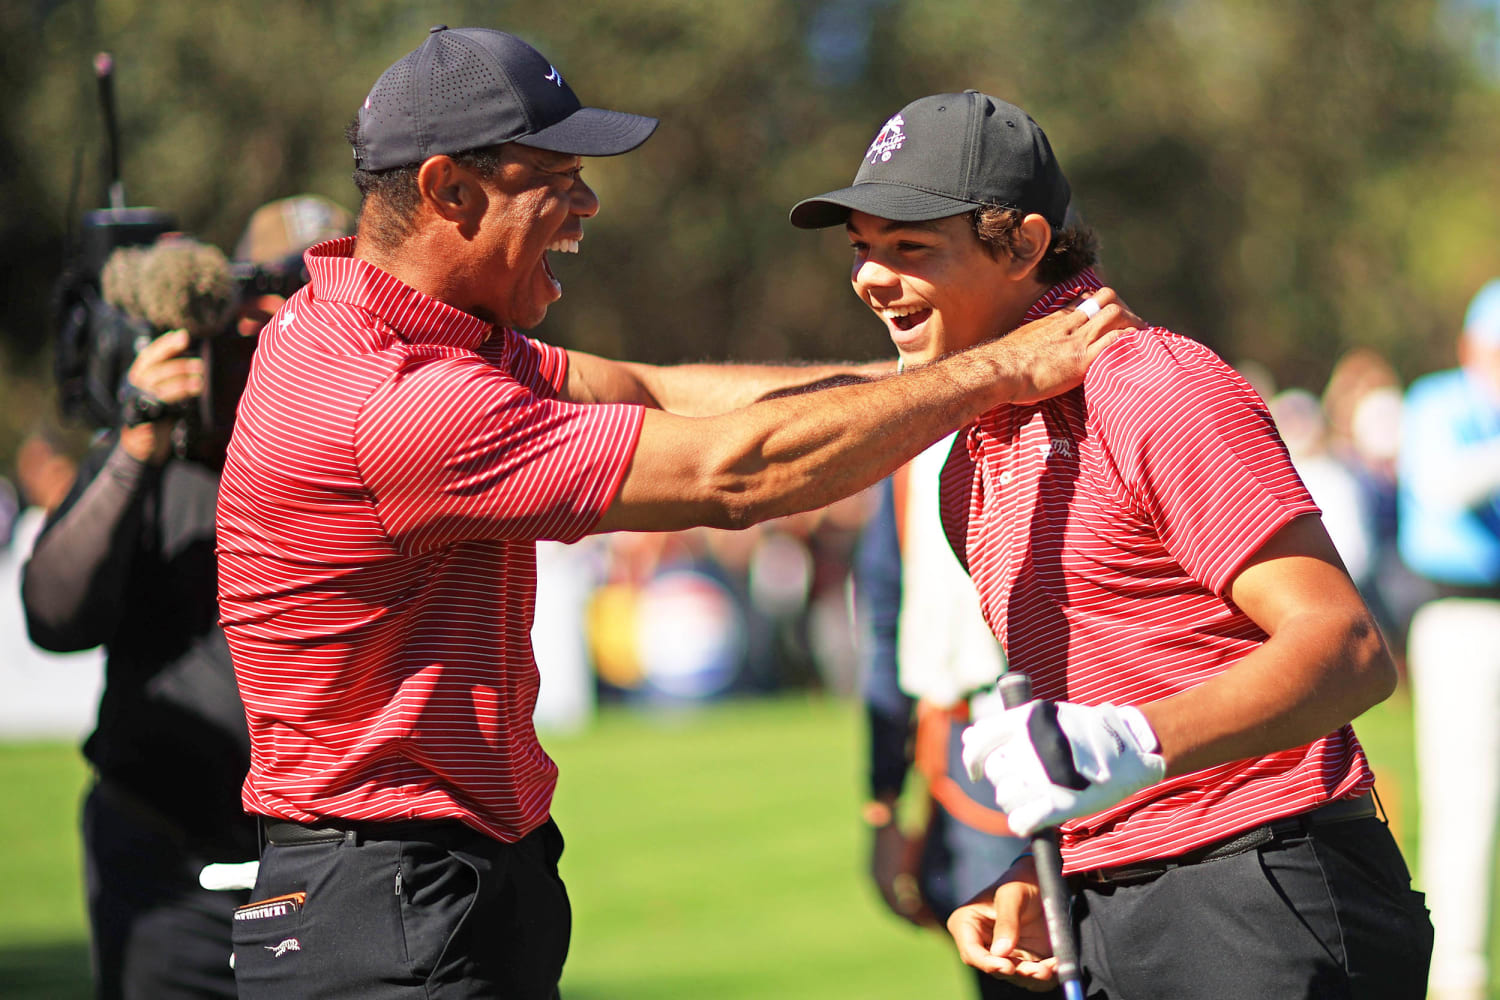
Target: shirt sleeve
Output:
{"points": [[1197, 452], [539, 366], [457, 449]]}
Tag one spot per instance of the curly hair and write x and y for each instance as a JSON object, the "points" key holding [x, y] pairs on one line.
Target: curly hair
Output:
{"points": [[1073, 249], [388, 199]]}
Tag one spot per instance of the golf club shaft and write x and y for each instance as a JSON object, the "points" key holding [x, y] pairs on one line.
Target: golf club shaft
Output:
{"points": [[1015, 690]]}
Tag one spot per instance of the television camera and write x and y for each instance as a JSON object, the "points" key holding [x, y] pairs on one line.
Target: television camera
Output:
{"points": [[131, 276]]}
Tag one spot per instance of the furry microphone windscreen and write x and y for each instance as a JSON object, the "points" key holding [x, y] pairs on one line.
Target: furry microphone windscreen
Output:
{"points": [[176, 283]]}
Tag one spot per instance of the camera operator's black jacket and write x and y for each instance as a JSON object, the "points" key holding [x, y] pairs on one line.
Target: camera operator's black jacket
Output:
{"points": [[127, 561]]}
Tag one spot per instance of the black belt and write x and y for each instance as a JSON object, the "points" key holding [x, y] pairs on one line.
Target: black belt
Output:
{"points": [[285, 833], [1338, 811]]}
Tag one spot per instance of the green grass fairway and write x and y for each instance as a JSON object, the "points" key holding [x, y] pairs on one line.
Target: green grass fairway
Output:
{"points": [[711, 853], [43, 940]]}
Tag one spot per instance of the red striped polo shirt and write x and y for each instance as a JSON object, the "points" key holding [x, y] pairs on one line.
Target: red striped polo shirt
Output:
{"points": [[1102, 529], [394, 461]]}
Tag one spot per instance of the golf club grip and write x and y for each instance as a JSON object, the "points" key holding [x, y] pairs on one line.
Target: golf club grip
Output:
{"points": [[1015, 690]]}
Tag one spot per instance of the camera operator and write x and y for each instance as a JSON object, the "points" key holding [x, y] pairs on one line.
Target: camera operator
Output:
{"points": [[127, 561]]}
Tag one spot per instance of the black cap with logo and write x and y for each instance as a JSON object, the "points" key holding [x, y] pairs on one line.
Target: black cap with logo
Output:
{"points": [[466, 88], [946, 155]]}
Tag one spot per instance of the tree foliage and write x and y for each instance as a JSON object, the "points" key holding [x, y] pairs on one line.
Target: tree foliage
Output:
{"points": [[1280, 181]]}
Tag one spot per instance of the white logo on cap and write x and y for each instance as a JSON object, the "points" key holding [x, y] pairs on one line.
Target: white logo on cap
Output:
{"points": [[888, 141], [554, 76]]}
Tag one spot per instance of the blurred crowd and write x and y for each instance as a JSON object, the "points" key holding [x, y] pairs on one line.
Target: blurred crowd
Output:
{"points": [[1345, 443], [675, 618]]}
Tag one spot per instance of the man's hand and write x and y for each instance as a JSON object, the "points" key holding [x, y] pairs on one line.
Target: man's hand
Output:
{"points": [[1050, 355], [1004, 931], [894, 859], [160, 372], [1053, 761]]}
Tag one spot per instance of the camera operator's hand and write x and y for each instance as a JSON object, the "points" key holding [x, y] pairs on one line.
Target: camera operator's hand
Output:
{"points": [[161, 372]]}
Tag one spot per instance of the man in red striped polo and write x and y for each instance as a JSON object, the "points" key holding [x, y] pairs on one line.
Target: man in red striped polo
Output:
{"points": [[1146, 554], [399, 450]]}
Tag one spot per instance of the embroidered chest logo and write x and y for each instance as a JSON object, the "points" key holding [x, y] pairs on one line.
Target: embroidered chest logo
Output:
{"points": [[1060, 447], [290, 944], [890, 139]]}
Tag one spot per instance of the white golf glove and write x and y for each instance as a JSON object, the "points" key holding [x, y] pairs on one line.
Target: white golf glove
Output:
{"points": [[228, 875], [1054, 761]]}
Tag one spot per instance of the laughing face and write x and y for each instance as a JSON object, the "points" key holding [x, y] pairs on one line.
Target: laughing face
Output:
{"points": [[933, 284], [536, 205]]}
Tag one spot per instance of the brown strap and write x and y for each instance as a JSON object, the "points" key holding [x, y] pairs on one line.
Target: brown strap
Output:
{"points": [[900, 483], [930, 756]]}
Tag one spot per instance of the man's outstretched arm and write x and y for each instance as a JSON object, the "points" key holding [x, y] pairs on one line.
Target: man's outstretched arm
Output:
{"points": [[799, 452]]}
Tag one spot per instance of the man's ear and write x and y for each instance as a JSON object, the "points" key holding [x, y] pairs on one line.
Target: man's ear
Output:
{"points": [[450, 191], [1032, 240]]}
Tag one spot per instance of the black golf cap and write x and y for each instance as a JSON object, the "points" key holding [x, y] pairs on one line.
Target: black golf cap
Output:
{"points": [[945, 155], [466, 88]]}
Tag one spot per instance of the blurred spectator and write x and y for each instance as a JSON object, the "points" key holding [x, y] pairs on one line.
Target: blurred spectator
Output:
{"points": [[1449, 531], [44, 473], [274, 239], [127, 561], [830, 612], [1362, 402], [1358, 373], [1334, 486], [47, 694]]}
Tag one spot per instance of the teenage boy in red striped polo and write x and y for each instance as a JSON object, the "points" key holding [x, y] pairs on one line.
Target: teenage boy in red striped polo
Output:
{"points": [[1146, 553], [399, 450]]}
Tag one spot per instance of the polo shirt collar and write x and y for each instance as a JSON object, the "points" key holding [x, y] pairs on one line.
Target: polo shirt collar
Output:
{"points": [[336, 275], [1052, 299]]}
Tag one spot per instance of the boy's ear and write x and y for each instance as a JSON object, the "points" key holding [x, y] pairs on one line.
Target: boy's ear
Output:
{"points": [[1032, 240]]}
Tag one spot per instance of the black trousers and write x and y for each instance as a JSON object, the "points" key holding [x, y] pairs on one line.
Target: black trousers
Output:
{"points": [[1325, 913], [154, 933], [433, 910]]}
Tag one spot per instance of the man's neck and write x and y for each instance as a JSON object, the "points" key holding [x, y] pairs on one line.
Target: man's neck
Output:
{"points": [[418, 262]]}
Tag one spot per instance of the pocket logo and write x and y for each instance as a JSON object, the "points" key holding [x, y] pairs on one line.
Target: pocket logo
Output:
{"points": [[277, 950], [277, 906]]}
